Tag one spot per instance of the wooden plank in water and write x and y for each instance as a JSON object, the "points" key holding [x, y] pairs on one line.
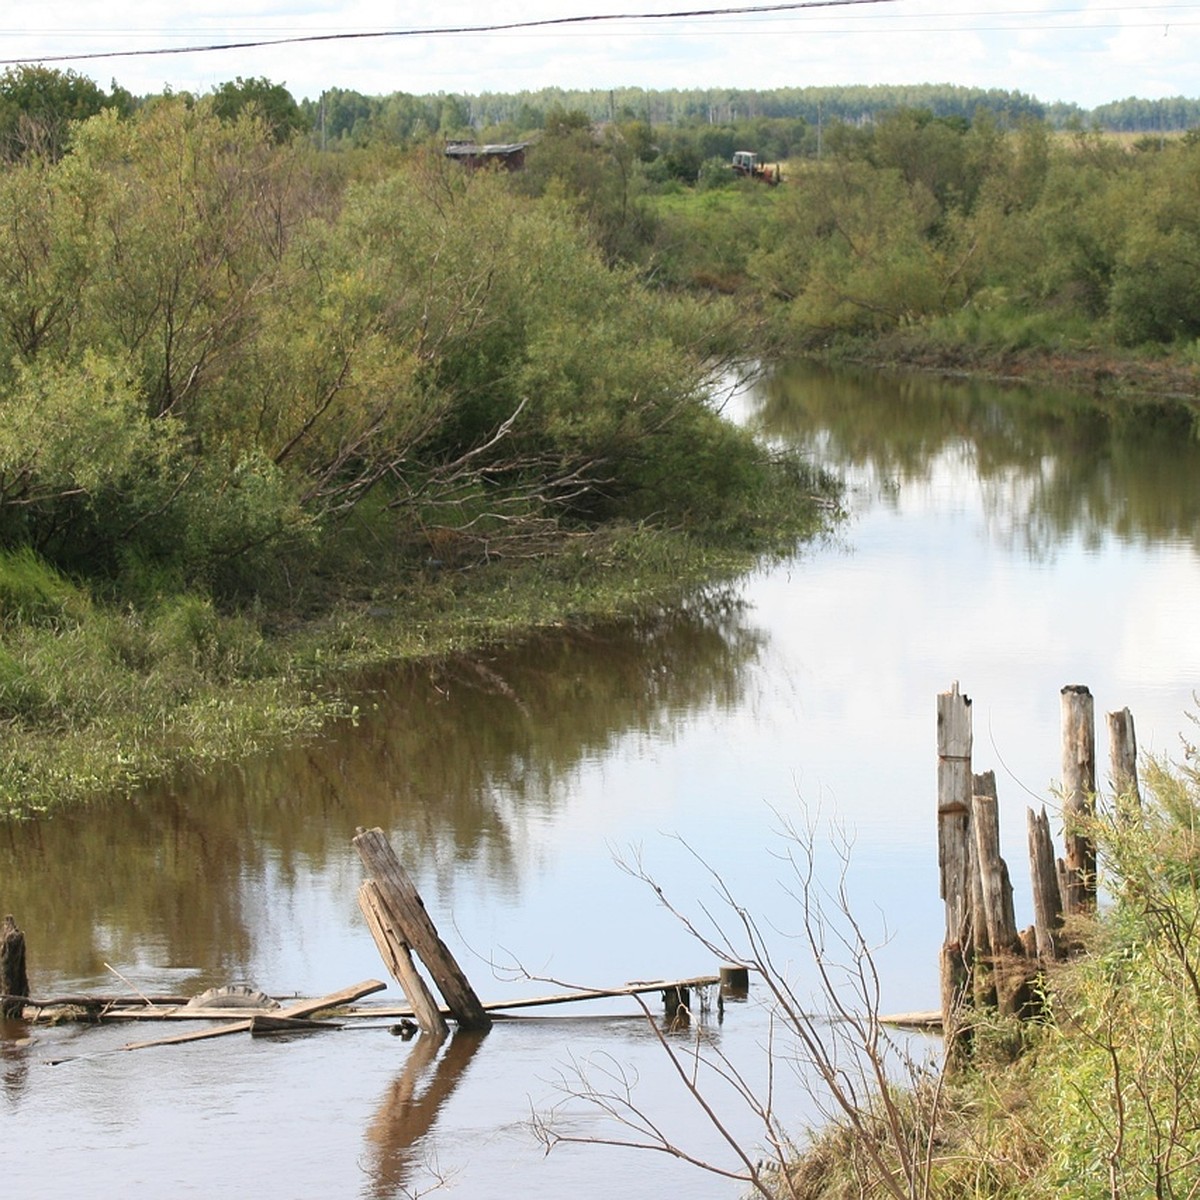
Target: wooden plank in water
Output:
{"points": [[303, 1008], [271, 1023], [641, 988], [914, 1020]]}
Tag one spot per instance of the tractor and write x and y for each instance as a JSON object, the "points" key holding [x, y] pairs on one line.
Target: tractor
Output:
{"points": [[745, 164]]}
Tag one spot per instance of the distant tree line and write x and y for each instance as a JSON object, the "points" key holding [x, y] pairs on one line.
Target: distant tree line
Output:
{"points": [[38, 105]]}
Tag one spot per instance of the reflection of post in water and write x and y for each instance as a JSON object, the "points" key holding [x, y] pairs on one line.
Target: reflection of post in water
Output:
{"points": [[14, 1061], [404, 1117]]}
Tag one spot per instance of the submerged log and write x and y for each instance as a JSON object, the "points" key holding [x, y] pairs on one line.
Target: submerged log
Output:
{"points": [[262, 1024]]}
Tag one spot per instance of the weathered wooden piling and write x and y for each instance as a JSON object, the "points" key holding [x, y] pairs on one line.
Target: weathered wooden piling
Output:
{"points": [[396, 956], [14, 981], [999, 916], [735, 980], [1079, 796], [1122, 742], [405, 929], [1047, 896], [955, 852]]}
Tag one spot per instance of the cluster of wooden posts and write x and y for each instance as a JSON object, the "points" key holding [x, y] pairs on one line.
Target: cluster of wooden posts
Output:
{"points": [[986, 961]]}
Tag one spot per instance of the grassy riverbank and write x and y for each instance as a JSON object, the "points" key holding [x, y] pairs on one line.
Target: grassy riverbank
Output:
{"points": [[268, 415], [98, 696]]}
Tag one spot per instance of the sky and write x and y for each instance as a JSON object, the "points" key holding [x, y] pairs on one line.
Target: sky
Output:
{"points": [[1084, 51]]}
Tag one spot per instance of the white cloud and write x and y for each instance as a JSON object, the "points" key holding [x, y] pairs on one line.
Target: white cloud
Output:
{"points": [[1088, 53]]}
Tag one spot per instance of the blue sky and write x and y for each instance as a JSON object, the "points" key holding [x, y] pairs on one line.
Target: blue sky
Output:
{"points": [[1086, 51]]}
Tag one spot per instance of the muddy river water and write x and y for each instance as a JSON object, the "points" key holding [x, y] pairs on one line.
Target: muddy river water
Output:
{"points": [[1015, 542]]}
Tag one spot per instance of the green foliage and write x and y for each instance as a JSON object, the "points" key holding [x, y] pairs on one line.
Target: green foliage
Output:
{"points": [[38, 106], [270, 102]]}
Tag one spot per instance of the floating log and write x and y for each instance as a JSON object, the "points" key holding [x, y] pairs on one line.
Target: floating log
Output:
{"points": [[1079, 795], [930, 1021], [500, 1007], [409, 928], [14, 981]]}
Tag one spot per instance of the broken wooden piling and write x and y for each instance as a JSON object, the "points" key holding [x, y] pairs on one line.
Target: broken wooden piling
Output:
{"points": [[401, 928], [1047, 895], [14, 980], [1123, 758], [1079, 796], [955, 852]]}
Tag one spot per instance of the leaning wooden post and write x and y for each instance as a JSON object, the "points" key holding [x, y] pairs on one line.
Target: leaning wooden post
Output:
{"points": [[1047, 898], [416, 931], [1122, 744], [954, 851], [1079, 796], [14, 982], [394, 951]]}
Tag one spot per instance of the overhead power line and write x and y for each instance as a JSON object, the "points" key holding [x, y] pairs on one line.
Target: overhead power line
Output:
{"points": [[506, 27]]}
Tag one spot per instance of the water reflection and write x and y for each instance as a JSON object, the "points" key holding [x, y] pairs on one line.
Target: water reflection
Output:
{"points": [[455, 758], [408, 1111], [1050, 466]]}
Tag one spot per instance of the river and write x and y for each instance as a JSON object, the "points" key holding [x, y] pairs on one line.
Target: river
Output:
{"points": [[1013, 541]]}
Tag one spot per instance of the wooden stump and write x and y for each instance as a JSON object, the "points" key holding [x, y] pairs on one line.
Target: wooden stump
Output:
{"points": [[14, 982], [735, 981]]}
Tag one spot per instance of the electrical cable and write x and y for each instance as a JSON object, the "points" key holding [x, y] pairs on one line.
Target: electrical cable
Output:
{"points": [[461, 29]]}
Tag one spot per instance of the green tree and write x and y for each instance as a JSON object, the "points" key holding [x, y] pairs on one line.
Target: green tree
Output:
{"points": [[38, 106], [271, 102]]}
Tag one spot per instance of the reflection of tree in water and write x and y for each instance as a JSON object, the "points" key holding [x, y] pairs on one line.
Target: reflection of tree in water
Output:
{"points": [[453, 757], [100, 884], [409, 1109], [1051, 466]]}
